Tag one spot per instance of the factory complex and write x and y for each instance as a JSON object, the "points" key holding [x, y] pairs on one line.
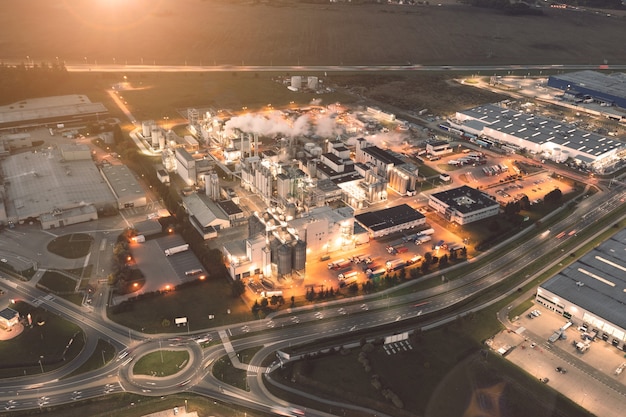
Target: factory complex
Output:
{"points": [[308, 181]]}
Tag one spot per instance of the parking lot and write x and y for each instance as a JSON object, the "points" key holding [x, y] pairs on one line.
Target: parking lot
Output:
{"points": [[161, 271], [588, 378], [499, 176]]}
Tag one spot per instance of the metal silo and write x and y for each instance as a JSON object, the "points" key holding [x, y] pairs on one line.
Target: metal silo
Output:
{"points": [[275, 244], [299, 255], [146, 128], [284, 260]]}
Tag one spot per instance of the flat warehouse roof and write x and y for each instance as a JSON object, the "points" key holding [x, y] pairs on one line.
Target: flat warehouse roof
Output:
{"points": [[49, 108], [540, 130], [613, 84], [597, 281], [41, 182], [386, 218]]}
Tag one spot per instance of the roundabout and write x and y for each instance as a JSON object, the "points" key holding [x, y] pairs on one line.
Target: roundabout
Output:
{"points": [[156, 382]]}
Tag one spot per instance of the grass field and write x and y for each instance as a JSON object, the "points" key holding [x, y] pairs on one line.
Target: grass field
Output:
{"points": [[197, 302], [45, 340], [161, 363], [71, 246], [443, 364], [57, 282]]}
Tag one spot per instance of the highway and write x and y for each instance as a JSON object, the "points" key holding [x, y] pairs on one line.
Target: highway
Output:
{"points": [[295, 326], [330, 68]]}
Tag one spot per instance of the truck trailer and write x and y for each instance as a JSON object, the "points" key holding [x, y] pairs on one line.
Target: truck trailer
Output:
{"points": [[423, 239], [176, 249], [375, 273], [395, 264]]}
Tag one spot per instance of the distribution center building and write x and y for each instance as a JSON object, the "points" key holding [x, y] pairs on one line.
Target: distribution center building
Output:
{"points": [[591, 291]]}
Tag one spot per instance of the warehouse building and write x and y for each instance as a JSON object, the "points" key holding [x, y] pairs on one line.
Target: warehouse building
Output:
{"points": [[552, 139], [50, 110], [206, 216], [391, 220], [54, 182], [592, 291], [606, 89], [127, 191], [463, 205]]}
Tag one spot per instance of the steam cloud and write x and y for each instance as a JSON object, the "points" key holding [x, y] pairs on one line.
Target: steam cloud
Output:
{"points": [[274, 123]]}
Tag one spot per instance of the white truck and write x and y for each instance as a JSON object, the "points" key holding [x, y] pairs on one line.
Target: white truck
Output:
{"points": [[426, 232], [176, 249], [395, 264], [346, 275], [139, 239], [270, 294], [422, 239]]}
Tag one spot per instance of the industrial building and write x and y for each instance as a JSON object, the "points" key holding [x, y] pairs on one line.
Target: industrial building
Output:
{"points": [[390, 220], [463, 205], [53, 181], [51, 110], [9, 318], [190, 169], [122, 182], [549, 138], [605, 89], [591, 291], [280, 243], [205, 215]]}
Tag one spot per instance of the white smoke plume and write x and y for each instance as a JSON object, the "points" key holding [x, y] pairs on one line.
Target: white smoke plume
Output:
{"points": [[326, 127], [390, 140], [275, 123]]}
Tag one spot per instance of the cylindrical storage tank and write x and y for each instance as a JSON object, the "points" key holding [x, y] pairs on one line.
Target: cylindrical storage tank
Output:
{"points": [[146, 128], [316, 151], [274, 245], [161, 142], [308, 146], [296, 81], [299, 255], [300, 155], [290, 211], [284, 261], [155, 136]]}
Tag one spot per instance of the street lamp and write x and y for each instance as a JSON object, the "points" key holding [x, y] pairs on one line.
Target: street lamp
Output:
{"points": [[40, 364], [103, 361], [161, 351]]}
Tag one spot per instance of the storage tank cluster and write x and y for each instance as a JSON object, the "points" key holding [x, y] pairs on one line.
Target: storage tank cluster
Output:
{"points": [[399, 181], [296, 81], [291, 257]]}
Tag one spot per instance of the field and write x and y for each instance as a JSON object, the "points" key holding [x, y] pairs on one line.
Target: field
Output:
{"points": [[220, 32]]}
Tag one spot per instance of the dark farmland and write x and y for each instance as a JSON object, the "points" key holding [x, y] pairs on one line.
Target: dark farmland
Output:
{"points": [[213, 32]]}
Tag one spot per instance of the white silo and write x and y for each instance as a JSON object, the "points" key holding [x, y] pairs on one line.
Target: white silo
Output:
{"points": [[146, 128], [212, 186], [296, 81], [312, 83], [155, 133]]}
